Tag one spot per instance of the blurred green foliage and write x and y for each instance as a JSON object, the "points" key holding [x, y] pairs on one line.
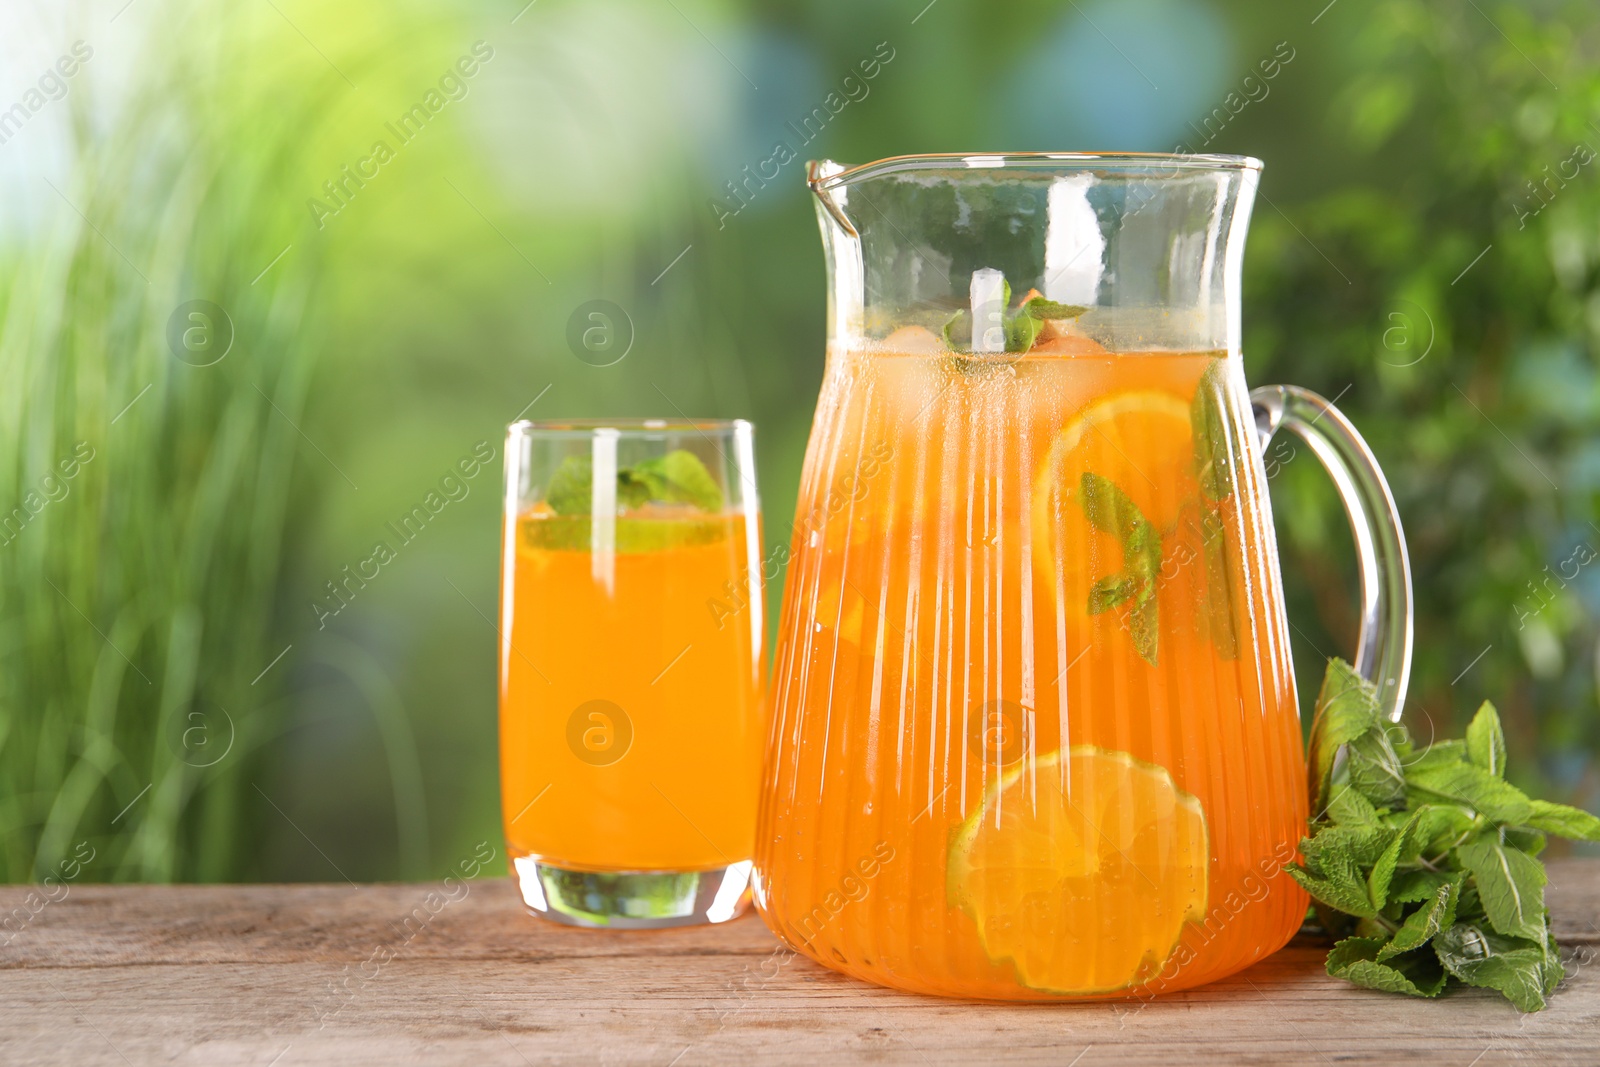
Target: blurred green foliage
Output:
{"points": [[1399, 260], [1444, 272]]}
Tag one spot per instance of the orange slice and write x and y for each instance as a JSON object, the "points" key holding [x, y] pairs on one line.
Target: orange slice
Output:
{"points": [[1141, 441], [1082, 873]]}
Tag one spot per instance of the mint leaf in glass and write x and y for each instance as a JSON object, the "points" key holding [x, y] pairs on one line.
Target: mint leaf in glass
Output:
{"points": [[1109, 592], [663, 502], [675, 478], [1214, 445], [571, 486], [678, 477], [1021, 331], [1040, 308], [957, 331], [1108, 508], [572, 533], [1022, 324], [1219, 585], [1112, 511]]}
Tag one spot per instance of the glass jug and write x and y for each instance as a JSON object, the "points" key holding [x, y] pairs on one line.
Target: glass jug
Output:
{"points": [[1034, 730]]}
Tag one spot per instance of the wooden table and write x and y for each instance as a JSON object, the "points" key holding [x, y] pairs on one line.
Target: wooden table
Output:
{"points": [[327, 974]]}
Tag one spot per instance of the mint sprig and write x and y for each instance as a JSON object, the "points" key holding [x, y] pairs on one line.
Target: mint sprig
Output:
{"points": [[1109, 509], [678, 477], [1043, 309], [1215, 447], [1425, 863], [1021, 324], [1214, 443]]}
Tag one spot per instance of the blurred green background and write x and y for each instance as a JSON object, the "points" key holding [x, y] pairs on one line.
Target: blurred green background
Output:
{"points": [[1425, 250]]}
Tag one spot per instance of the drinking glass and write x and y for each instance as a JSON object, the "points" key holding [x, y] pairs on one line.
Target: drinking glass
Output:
{"points": [[631, 669]]}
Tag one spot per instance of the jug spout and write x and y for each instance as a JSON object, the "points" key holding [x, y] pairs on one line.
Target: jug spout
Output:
{"points": [[829, 201], [841, 246]]}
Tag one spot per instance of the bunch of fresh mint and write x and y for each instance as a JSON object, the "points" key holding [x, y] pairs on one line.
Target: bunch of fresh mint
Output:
{"points": [[1424, 862]]}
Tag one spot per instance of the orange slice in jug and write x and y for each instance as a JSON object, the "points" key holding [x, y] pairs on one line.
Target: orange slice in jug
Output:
{"points": [[1082, 873], [1138, 440]]}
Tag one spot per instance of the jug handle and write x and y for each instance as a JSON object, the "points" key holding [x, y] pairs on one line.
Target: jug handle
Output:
{"points": [[1383, 647]]}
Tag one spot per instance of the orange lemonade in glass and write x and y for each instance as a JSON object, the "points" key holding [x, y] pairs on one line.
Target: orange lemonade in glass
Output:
{"points": [[630, 709]]}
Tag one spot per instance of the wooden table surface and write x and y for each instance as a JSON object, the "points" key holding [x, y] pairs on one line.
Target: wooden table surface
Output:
{"points": [[327, 974]]}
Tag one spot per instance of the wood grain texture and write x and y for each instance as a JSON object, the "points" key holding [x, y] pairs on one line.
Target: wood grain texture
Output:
{"points": [[295, 975]]}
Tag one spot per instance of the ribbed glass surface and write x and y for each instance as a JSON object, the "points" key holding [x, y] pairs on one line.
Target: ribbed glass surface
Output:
{"points": [[1034, 728]]}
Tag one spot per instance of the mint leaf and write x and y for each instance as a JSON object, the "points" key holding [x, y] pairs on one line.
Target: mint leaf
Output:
{"points": [[1443, 825], [1510, 886], [1219, 585], [1402, 848], [1144, 624], [1410, 887], [1021, 325], [1526, 972], [678, 477], [1112, 511], [1355, 959], [1347, 707], [1563, 821], [1353, 949], [1438, 754], [1363, 844], [1374, 769], [958, 328], [1021, 330], [1349, 808], [1439, 913], [1108, 592], [1473, 786], [1040, 308], [1486, 742], [675, 478], [1213, 444], [1107, 507], [957, 331], [1142, 548], [1341, 892], [572, 533], [1524, 838], [1332, 870], [570, 486]]}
